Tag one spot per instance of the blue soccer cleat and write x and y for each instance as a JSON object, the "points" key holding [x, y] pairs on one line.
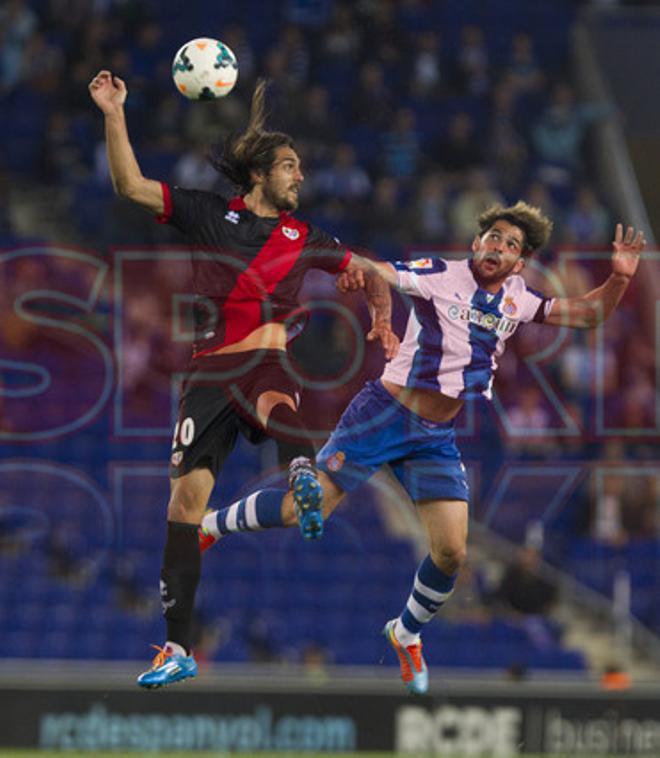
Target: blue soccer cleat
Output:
{"points": [[307, 497], [167, 667], [414, 672]]}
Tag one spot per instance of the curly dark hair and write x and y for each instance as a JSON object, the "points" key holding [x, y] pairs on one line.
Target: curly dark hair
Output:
{"points": [[252, 150], [534, 224]]}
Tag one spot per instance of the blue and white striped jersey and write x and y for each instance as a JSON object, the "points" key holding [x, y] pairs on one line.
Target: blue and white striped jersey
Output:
{"points": [[456, 331]]}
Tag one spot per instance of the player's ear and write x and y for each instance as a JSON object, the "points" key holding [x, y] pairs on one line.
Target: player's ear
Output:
{"points": [[519, 265], [475, 243], [257, 177]]}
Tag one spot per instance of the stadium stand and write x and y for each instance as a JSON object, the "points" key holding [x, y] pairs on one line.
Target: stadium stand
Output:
{"points": [[385, 98]]}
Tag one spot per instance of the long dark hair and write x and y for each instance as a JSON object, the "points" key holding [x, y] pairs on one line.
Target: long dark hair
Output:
{"points": [[252, 150]]}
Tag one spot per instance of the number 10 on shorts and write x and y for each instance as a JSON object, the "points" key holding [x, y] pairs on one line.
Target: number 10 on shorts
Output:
{"points": [[184, 432]]}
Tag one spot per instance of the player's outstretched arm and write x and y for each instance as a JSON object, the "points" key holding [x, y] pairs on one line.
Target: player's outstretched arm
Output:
{"points": [[109, 93], [379, 300], [591, 309], [375, 278], [353, 276]]}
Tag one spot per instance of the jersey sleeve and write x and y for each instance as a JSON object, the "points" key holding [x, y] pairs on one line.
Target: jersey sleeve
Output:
{"points": [[326, 252], [535, 306], [413, 277], [183, 207]]}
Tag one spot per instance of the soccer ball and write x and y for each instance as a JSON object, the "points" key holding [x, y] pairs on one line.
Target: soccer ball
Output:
{"points": [[204, 69]]}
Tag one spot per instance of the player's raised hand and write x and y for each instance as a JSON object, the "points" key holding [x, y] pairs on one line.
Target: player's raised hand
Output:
{"points": [[627, 249], [388, 339], [108, 91]]}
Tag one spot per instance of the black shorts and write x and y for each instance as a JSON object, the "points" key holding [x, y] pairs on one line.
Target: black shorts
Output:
{"points": [[218, 400]]}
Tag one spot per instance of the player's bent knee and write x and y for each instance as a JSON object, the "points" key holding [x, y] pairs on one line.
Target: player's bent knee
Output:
{"points": [[185, 510], [188, 500], [449, 558]]}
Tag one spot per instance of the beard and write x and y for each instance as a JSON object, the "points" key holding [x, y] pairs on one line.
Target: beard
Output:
{"points": [[496, 274], [286, 200]]}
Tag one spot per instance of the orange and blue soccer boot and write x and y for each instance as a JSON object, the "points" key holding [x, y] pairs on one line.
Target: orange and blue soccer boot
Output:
{"points": [[414, 672], [166, 668], [307, 497]]}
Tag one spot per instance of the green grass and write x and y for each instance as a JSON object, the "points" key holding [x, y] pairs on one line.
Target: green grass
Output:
{"points": [[196, 754], [202, 753]]}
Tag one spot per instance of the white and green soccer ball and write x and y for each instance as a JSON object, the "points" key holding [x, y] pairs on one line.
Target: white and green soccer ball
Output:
{"points": [[204, 69]]}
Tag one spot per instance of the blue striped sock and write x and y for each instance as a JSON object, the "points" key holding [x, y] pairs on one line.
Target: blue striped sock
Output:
{"points": [[260, 510], [431, 589]]}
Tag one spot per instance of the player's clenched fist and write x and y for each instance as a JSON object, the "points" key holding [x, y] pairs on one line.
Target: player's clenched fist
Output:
{"points": [[350, 280]]}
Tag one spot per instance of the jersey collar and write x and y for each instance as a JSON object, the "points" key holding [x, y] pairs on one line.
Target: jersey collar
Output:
{"points": [[238, 204]]}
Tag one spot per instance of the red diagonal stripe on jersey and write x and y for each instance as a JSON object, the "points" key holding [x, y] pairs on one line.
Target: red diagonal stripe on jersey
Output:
{"points": [[242, 308]]}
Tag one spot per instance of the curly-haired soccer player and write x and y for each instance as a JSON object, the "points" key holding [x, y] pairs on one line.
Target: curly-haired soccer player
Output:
{"points": [[462, 313]]}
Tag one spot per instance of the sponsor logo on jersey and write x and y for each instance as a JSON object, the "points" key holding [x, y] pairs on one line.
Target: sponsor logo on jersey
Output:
{"points": [[292, 234], [420, 263], [490, 321], [336, 461], [232, 216], [509, 307]]}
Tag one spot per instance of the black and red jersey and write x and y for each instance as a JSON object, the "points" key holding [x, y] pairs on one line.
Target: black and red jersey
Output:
{"points": [[247, 269]]}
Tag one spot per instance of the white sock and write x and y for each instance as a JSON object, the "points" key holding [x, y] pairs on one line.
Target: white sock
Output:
{"points": [[210, 523], [175, 648], [404, 637]]}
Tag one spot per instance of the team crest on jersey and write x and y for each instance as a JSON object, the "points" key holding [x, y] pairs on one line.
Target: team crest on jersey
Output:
{"points": [[509, 306], [336, 461], [177, 457], [292, 234]]}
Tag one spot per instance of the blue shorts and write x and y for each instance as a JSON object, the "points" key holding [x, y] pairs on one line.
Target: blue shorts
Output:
{"points": [[376, 429]]}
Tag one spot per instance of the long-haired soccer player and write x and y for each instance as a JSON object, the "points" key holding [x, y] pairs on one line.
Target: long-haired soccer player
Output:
{"points": [[462, 313], [249, 259]]}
